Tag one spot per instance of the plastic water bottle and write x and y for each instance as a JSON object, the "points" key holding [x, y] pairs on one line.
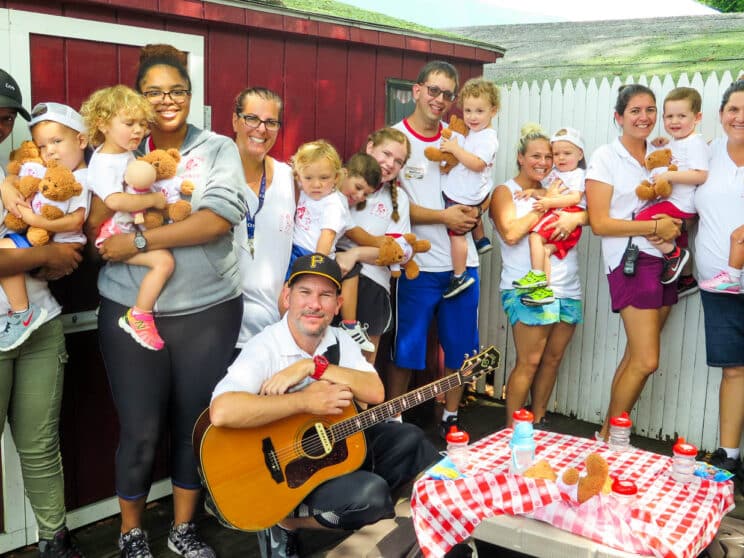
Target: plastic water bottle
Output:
{"points": [[457, 448], [683, 462], [620, 432], [624, 494], [522, 415], [522, 447]]}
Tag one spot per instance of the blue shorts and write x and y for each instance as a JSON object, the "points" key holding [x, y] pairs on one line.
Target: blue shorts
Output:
{"points": [[297, 252], [561, 310], [19, 240], [724, 328], [418, 302]]}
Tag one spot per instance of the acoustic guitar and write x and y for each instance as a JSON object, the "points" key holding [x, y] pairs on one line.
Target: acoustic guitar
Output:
{"points": [[257, 476]]}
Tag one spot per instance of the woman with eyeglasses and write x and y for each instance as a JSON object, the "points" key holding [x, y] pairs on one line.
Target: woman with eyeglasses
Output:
{"points": [[264, 239], [198, 313]]}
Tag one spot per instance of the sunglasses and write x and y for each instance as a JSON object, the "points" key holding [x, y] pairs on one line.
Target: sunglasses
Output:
{"points": [[435, 92]]}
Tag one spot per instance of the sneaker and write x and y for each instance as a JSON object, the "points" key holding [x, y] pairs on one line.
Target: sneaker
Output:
{"points": [[184, 541], [686, 286], [533, 280], [142, 329], [721, 283], [483, 245], [20, 326], [445, 425], [538, 297], [673, 266], [358, 333], [134, 544], [277, 542], [719, 459], [60, 546], [458, 285]]}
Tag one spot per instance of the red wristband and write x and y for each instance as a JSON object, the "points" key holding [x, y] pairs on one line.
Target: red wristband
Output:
{"points": [[321, 363]]}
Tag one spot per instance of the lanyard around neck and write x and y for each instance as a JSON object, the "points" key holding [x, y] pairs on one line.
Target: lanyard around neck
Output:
{"points": [[250, 220]]}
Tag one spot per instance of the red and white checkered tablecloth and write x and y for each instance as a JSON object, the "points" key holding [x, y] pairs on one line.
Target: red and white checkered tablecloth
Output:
{"points": [[668, 519]]}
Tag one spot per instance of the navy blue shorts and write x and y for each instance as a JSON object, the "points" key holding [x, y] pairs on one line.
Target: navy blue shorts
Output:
{"points": [[724, 329], [418, 302]]}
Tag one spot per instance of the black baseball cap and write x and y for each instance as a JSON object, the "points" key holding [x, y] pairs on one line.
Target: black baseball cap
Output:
{"points": [[316, 264], [10, 95]]}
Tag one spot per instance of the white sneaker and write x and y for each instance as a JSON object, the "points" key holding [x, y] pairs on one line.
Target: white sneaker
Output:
{"points": [[358, 333]]}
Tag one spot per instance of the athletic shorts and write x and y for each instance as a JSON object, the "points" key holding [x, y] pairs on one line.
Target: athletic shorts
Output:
{"points": [[19, 240], [449, 203], [420, 301], [724, 329], [668, 208], [373, 307], [642, 290], [567, 310], [562, 246]]}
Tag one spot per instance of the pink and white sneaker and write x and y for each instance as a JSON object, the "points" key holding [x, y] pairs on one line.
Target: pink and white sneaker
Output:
{"points": [[721, 283], [141, 326]]}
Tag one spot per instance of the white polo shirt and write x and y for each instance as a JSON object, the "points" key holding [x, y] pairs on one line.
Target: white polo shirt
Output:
{"points": [[612, 164], [720, 203], [274, 349]]}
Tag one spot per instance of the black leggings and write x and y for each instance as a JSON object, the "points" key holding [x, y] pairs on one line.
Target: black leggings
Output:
{"points": [[396, 453], [170, 387]]}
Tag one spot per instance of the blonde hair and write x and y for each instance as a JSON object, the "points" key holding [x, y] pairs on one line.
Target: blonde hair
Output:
{"points": [[315, 151], [479, 87], [529, 133], [103, 105]]}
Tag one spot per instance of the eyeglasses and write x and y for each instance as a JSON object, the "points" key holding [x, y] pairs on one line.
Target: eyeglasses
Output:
{"points": [[177, 95], [435, 92], [253, 122]]}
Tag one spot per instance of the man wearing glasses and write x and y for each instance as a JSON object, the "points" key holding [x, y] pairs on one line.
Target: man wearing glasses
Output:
{"points": [[420, 300]]}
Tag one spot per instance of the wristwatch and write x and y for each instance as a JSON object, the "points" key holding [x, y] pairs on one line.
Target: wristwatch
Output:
{"points": [[140, 242], [321, 363]]}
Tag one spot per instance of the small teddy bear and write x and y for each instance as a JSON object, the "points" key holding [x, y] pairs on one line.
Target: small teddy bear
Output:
{"points": [[27, 165], [58, 186], [657, 162], [411, 246], [447, 161], [596, 479], [165, 163]]}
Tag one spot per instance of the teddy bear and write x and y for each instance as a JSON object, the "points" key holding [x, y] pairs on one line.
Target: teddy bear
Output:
{"points": [[657, 162], [58, 186], [447, 161], [596, 479], [165, 163], [28, 167], [410, 246]]}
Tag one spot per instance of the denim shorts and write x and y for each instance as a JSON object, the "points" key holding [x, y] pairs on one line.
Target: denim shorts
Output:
{"points": [[724, 329], [642, 290], [567, 310]]}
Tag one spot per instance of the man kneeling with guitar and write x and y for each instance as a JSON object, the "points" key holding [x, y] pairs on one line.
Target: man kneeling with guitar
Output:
{"points": [[294, 385]]}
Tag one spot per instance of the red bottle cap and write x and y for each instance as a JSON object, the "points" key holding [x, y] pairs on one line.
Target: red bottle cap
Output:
{"points": [[624, 487], [455, 436], [523, 415], [622, 421], [683, 448]]}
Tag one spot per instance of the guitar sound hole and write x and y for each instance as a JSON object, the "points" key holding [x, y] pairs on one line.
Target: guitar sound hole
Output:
{"points": [[312, 445]]}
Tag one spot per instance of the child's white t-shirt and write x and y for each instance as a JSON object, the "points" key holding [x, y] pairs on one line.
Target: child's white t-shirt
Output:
{"points": [[690, 153], [470, 187], [312, 216], [573, 180], [106, 172]]}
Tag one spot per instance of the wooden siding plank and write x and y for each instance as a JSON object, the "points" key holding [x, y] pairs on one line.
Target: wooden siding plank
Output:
{"points": [[223, 83], [300, 26], [264, 20], [47, 76], [88, 67], [333, 31], [359, 35], [224, 14], [440, 48], [392, 40], [265, 57], [147, 5], [359, 118], [412, 64], [128, 64], [417, 44], [389, 64], [182, 8], [332, 94], [300, 91]]}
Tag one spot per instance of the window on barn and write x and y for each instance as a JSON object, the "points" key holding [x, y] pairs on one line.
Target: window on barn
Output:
{"points": [[399, 98]]}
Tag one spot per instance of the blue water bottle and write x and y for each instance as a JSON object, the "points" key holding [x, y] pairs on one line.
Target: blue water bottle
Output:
{"points": [[522, 448]]}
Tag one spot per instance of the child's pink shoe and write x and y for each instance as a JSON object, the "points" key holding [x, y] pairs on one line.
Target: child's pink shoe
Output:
{"points": [[141, 326], [721, 283]]}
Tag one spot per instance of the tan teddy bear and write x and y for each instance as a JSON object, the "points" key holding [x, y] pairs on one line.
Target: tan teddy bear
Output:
{"points": [[27, 165], [166, 166], [596, 480], [410, 246], [58, 185], [657, 162], [447, 161]]}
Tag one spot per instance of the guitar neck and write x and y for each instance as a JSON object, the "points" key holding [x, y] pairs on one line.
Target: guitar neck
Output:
{"points": [[383, 411]]}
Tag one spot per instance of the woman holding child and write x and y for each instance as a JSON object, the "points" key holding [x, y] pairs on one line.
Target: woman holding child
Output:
{"points": [[198, 313], [632, 262], [541, 333]]}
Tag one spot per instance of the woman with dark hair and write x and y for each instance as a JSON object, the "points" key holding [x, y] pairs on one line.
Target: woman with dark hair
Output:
{"points": [[632, 262], [720, 204], [198, 314]]}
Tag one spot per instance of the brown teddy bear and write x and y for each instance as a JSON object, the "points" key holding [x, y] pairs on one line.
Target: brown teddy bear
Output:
{"points": [[410, 246], [166, 165], [596, 480], [657, 162], [58, 185], [447, 161]]}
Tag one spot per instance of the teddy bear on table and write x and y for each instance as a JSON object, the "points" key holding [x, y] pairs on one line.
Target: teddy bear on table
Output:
{"points": [[165, 163], [576, 486], [447, 161], [657, 162]]}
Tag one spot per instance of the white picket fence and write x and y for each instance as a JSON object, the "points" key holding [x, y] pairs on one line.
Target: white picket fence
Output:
{"points": [[682, 396]]}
